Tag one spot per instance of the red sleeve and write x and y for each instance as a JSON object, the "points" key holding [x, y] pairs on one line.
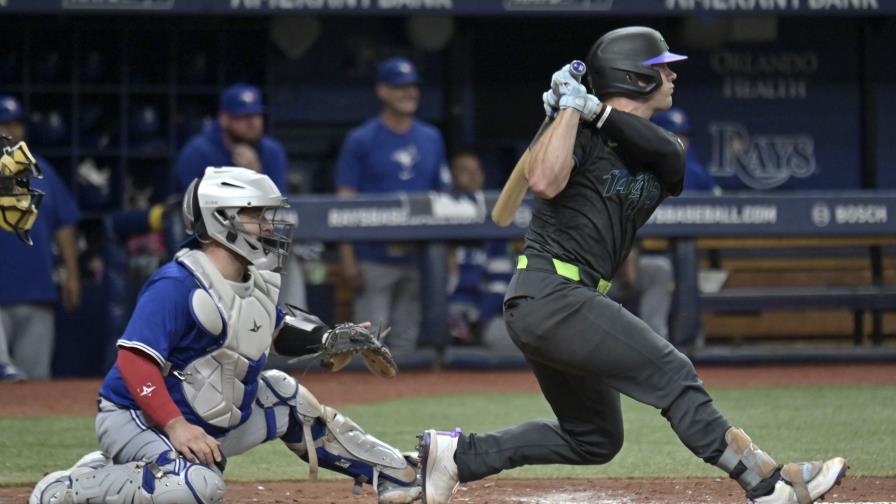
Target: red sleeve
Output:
{"points": [[145, 383]]}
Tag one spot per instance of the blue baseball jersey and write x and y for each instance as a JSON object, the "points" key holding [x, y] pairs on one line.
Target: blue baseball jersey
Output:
{"points": [[163, 327], [27, 271], [696, 178], [207, 149], [375, 159]]}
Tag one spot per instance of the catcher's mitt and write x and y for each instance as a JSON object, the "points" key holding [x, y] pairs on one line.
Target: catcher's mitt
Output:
{"points": [[344, 341]]}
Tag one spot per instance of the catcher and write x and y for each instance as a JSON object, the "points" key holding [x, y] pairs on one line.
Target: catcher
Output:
{"points": [[188, 389]]}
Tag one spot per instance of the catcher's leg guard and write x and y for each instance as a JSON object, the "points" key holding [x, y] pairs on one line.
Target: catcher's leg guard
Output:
{"points": [[340, 444], [753, 469], [166, 480]]}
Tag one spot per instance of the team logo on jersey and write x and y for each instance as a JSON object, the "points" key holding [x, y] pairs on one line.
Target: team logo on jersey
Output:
{"points": [[760, 161], [640, 191], [407, 157], [255, 326], [146, 390]]}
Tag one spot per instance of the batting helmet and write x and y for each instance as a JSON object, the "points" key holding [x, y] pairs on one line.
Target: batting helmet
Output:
{"points": [[623, 57], [673, 120]]}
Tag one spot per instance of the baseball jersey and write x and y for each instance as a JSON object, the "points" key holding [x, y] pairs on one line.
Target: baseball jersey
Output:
{"points": [[375, 159], [27, 271], [163, 327], [207, 149], [617, 182]]}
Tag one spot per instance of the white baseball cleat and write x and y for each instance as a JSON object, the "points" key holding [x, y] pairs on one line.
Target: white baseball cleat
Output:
{"points": [[437, 467], [805, 482], [52, 487]]}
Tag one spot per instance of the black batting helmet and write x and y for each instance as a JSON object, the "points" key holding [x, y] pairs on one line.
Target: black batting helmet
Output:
{"points": [[622, 57]]}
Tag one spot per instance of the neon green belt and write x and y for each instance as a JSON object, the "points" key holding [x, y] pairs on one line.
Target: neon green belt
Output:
{"points": [[567, 270]]}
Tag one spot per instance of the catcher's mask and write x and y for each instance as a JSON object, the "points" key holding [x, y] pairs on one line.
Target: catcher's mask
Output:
{"points": [[242, 210], [19, 202]]}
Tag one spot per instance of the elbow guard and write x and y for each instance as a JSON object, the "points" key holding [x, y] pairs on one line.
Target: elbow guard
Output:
{"points": [[300, 334]]}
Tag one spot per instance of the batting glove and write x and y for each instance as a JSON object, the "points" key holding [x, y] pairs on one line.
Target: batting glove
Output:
{"points": [[564, 82], [551, 103], [587, 104]]}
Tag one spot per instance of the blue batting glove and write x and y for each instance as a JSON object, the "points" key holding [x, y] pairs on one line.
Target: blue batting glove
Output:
{"points": [[587, 104]]}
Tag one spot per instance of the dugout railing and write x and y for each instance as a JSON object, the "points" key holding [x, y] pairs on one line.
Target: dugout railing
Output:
{"points": [[681, 222]]}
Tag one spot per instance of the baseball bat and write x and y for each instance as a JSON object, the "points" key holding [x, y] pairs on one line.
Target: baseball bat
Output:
{"points": [[515, 188]]}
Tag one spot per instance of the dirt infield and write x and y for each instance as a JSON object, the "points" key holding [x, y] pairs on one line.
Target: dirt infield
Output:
{"points": [[78, 397]]}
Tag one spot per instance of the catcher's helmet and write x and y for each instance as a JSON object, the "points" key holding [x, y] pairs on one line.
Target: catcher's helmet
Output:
{"points": [[211, 209], [673, 120], [622, 57], [18, 200]]}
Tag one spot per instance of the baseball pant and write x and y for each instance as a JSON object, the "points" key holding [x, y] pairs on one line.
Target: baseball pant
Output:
{"points": [[391, 297], [655, 285], [31, 336], [585, 349]]}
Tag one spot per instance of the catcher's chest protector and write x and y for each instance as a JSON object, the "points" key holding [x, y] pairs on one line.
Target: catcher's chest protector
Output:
{"points": [[213, 383]]}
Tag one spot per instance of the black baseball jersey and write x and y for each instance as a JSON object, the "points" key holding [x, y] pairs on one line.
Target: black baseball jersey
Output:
{"points": [[622, 172]]}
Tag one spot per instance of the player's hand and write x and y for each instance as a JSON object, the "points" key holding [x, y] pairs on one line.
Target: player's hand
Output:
{"points": [[245, 155], [192, 442], [587, 104], [71, 293], [551, 103], [563, 83]]}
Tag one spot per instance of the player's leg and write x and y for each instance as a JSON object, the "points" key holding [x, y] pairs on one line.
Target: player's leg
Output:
{"points": [[373, 302], [634, 360], [144, 469], [34, 338], [9, 372], [289, 411], [406, 311], [655, 283]]}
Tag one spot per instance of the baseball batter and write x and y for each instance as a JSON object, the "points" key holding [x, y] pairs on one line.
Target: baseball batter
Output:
{"points": [[598, 172], [188, 389]]}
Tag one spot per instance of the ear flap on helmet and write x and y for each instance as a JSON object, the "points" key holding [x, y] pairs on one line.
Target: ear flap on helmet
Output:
{"points": [[191, 212]]}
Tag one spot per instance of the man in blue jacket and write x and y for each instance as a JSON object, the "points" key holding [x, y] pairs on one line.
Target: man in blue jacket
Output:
{"points": [[236, 139], [29, 294], [392, 152]]}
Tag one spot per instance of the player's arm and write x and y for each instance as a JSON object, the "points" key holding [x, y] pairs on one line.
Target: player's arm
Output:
{"points": [[143, 378], [551, 159], [645, 143], [299, 334]]}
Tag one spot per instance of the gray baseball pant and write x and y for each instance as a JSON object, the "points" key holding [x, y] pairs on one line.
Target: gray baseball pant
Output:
{"points": [[31, 336], [391, 297], [585, 349]]}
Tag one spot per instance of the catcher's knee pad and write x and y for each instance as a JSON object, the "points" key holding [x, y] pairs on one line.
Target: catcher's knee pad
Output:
{"points": [[165, 480], [744, 461]]}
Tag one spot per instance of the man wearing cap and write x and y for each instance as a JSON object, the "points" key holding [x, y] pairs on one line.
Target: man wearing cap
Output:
{"points": [[392, 152], [28, 293], [236, 139]]}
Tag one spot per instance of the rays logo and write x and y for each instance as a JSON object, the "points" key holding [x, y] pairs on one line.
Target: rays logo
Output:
{"points": [[760, 161], [407, 158]]}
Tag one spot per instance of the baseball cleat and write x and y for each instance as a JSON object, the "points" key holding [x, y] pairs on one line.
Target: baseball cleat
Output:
{"points": [[437, 467], [51, 489], [805, 482]]}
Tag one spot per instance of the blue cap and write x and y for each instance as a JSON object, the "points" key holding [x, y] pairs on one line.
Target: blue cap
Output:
{"points": [[10, 109], [397, 72], [241, 100], [674, 120]]}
